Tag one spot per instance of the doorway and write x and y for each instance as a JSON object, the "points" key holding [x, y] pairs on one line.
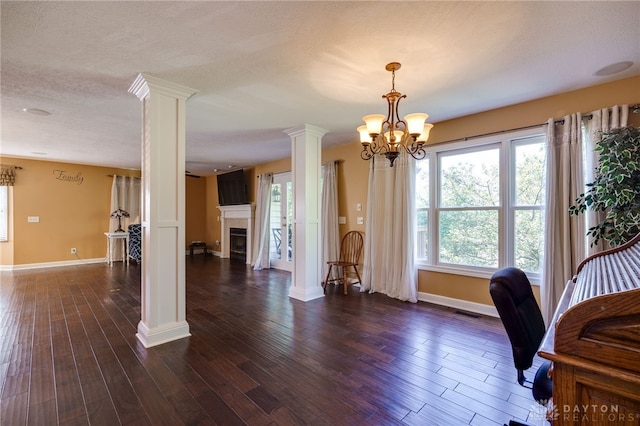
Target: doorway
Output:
{"points": [[281, 222]]}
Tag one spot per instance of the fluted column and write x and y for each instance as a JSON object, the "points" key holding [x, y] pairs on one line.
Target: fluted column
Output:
{"points": [[306, 154], [163, 310]]}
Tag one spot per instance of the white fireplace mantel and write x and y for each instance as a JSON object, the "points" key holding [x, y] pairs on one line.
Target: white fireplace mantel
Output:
{"points": [[238, 216]]}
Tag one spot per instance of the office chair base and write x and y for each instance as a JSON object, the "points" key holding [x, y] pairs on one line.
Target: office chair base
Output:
{"points": [[542, 388]]}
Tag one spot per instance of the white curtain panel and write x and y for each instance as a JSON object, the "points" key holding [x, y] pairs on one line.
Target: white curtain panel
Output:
{"points": [[261, 235], [565, 235], [602, 120], [125, 194], [389, 265], [329, 217]]}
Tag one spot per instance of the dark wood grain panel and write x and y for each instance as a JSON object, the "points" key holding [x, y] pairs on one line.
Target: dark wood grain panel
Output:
{"points": [[42, 386], [14, 409], [124, 398], [102, 412], [188, 409], [42, 414]]}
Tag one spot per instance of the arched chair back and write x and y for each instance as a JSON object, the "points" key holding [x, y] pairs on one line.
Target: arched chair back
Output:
{"points": [[351, 247], [350, 253]]}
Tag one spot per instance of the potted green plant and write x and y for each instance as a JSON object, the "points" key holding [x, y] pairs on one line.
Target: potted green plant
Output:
{"points": [[616, 187]]}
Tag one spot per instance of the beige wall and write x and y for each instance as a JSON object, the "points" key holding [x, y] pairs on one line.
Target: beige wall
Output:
{"points": [[74, 212], [72, 202], [195, 209], [353, 175], [626, 91], [212, 223]]}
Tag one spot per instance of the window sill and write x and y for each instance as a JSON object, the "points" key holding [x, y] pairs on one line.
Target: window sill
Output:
{"points": [[484, 273]]}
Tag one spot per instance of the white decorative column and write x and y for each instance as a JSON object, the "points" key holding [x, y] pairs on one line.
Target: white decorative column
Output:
{"points": [[163, 316], [306, 154]]}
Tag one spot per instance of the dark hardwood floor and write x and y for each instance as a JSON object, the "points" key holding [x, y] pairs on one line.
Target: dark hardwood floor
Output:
{"points": [[69, 355]]}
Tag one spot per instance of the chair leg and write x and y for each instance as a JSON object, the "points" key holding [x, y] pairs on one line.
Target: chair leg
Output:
{"points": [[355, 267], [326, 281], [344, 279]]}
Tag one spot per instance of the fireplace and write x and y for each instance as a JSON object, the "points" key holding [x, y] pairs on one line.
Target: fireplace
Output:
{"points": [[238, 244], [236, 217]]}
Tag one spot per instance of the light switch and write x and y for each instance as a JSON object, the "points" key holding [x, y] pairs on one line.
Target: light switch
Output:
{"points": [[360, 220], [33, 219], [359, 207], [342, 220]]}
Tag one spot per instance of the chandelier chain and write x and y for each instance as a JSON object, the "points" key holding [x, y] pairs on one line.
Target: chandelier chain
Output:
{"points": [[393, 80]]}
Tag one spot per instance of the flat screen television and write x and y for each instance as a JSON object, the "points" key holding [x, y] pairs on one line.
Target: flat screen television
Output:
{"points": [[232, 188]]}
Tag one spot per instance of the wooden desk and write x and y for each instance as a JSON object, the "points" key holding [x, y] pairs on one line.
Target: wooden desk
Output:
{"points": [[114, 236], [594, 342]]}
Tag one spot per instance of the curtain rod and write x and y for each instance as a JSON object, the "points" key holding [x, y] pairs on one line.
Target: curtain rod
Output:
{"points": [[515, 129], [634, 108]]}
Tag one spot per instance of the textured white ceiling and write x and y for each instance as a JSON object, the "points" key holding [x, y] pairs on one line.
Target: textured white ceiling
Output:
{"points": [[262, 67]]}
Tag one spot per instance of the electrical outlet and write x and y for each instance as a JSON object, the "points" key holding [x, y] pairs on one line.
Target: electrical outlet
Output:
{"points": [[74, 250]]}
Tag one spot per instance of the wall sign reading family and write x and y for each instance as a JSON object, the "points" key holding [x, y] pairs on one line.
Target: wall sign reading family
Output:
{"points": [[68, 177]]}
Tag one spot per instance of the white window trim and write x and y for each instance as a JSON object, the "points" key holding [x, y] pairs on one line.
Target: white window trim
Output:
{"points": [[504, 212], [4, 213]]}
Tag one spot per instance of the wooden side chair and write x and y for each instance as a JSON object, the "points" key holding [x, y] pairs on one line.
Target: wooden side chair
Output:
{"points": [[350, 252]]}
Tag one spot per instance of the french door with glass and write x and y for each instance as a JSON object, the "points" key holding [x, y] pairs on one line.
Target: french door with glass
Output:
{"points": [[281, 222]]}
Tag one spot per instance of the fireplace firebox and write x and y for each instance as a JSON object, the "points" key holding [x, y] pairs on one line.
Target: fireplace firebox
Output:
{"points": [[238, 244]]}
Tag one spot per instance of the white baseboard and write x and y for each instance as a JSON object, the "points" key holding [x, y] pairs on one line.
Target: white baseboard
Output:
{"points": [[464, 305], [164, 333], [187, 252], [26, 266]]}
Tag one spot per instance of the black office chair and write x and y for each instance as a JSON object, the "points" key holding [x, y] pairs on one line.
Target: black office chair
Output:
{"points": [[512, 295]]}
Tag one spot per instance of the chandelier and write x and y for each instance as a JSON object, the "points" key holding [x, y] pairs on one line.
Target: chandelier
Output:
{"points": [[388, 135]]}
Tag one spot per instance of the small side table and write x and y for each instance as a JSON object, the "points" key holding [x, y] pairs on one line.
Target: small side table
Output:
{"points": [[113, 236]]}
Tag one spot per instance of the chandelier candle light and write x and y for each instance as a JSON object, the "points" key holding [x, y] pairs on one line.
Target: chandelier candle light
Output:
{"points": [[388, 136], [119, 213]]}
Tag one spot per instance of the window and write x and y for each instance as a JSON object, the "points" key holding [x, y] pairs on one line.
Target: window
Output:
{"points": [[468, 211], [4, 213], [480, 204], [527, 207], [422, 206]]}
